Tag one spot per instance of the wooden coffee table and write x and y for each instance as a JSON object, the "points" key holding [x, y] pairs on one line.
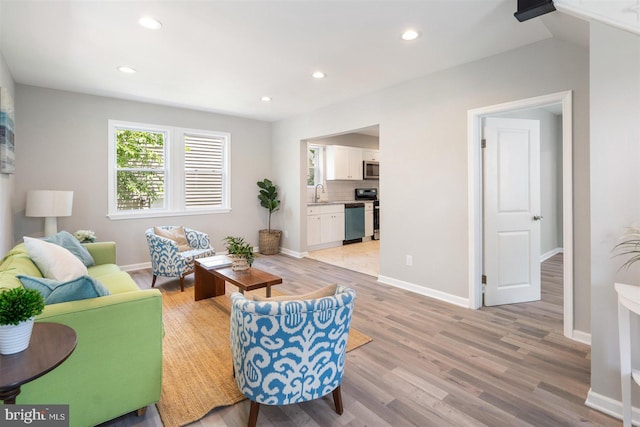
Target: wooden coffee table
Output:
{"points": [[210, 283]]}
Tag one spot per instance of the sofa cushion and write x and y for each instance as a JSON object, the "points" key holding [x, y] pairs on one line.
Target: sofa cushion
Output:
{"points": [[327, 291], [118, 282], [19, 263], [54, 292], [55, 262], [101, 270], [176, 234], [70, 243]]}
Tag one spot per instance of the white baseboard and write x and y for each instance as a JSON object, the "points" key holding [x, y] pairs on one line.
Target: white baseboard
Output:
{"points": [[610, 406], [132, 267], [583, 337], [294, 254], [552, 252], [144, 265], [324, 246], [439, 295]]}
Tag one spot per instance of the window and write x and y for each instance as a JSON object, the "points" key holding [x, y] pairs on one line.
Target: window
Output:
{"points": [[163, 171], [314, 165]]}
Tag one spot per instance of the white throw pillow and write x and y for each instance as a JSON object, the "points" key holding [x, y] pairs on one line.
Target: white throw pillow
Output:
{"points": [[54, 262]]}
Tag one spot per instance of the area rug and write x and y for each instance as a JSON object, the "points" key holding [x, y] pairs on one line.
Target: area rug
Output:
{"points": [[197, 367]]}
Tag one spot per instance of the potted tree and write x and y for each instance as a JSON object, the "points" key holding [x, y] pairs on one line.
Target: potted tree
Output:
{"points": [[18, 308], [269, 240], [240, 252]]}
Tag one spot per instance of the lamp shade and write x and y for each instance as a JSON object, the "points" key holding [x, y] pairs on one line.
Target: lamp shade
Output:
{"points": [[49, 203]]}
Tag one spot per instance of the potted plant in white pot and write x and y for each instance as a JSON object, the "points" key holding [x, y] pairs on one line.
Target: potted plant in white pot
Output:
{"points": [[240, 252], [18, 308], [269, 240]]}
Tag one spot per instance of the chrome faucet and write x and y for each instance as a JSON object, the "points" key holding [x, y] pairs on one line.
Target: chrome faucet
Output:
{"points": [[315, 198]]}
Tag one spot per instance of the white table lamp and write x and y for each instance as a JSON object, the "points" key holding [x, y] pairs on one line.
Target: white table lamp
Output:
{"points": [[49, 204]]}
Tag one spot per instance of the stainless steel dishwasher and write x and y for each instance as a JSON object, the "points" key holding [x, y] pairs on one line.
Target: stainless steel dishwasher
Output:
{"points": [[353, 222]]}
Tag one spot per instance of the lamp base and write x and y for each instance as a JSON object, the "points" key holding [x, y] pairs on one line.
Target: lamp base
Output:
{"points": [[50, 226]]}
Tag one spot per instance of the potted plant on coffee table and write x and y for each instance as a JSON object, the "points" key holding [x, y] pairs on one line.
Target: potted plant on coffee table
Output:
{"points": [[240, 252], [18, 308], [269, 240]]}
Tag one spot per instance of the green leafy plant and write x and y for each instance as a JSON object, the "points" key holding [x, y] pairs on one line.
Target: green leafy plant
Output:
{"points": [[136, 152], [268, 198], [237, 246], [19, 304], [629, 245]]}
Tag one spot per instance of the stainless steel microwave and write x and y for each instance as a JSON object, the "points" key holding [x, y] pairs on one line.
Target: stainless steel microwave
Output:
{"points": [[370, 169]]}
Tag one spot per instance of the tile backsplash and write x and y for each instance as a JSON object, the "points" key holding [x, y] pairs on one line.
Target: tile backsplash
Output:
{"points": [[337, 191]]}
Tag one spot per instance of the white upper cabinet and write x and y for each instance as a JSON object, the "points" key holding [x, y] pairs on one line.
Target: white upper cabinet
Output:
{"points": [[344, 162], [371, 155]]}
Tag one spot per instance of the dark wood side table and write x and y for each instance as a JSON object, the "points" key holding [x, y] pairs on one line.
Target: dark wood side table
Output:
{"points": [[51, 344], [210, 283]]}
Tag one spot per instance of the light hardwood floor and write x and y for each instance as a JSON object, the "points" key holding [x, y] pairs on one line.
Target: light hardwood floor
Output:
{"points": [[363, 257], [434, 364]]}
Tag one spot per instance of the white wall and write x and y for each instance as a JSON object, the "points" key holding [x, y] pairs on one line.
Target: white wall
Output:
{"points": [[423, 141], [550, 175], [6, 180], [63, 145], [615, 191]]}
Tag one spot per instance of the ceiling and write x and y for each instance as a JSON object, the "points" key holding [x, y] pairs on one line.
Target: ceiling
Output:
{"points": [[223, 56]]}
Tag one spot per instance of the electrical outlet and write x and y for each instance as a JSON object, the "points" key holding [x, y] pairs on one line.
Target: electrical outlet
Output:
{"points": [[409, 260], [286, 234]]}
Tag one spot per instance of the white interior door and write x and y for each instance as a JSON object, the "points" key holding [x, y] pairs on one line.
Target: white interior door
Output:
{"points": [[511, 211]]}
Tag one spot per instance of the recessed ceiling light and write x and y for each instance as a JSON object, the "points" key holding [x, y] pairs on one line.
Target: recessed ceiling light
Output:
{"points": [[266, 98], [410, 35], [127, 70], [150, 23], [318, 75]]}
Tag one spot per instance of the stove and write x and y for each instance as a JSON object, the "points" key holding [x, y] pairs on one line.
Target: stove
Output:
{"points": [[366, 194], [371, 194]]}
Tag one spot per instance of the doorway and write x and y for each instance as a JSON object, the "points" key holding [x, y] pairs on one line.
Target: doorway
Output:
{"points": [[475, 195], [326, 185]]}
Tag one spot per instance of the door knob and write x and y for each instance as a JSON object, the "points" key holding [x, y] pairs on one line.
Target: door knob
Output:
{"points": [[538, 218]]}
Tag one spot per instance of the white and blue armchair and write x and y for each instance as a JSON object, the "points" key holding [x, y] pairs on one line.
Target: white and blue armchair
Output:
{"points": [[168, 261], [293, 351]]}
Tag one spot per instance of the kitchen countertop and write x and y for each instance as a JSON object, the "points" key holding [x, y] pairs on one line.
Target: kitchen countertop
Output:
{"points": [[326, 203], [338, 202]]}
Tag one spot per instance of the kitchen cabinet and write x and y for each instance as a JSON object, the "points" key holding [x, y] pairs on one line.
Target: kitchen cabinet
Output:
{"points": [[343, 163], [313, 226], [325, 224], [368, 219], [371, 155]]}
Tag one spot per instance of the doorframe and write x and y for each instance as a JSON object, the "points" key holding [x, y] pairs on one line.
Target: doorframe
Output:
{"points": [[474, 138]]}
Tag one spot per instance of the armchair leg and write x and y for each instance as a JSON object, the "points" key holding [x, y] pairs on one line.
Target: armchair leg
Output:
{"points": [[181, 283], [337, 400], [141, 411], [153, 282], [253, 414]]}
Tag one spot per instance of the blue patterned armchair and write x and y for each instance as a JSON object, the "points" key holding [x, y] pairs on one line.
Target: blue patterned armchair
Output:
{"points": [[168, 261], [293, 351]]}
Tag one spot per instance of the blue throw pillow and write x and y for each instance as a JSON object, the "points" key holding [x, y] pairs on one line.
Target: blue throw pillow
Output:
{"points": [[54, 292], [70, 243]]}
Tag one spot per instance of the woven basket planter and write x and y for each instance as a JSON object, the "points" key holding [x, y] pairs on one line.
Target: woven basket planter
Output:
{"points": [[269, 242]]}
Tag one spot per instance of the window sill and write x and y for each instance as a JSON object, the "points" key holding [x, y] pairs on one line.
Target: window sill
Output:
{"points": [[161, 214]]}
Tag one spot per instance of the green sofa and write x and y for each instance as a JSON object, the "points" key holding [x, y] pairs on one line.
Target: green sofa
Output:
{"points": [[116, 367]]}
